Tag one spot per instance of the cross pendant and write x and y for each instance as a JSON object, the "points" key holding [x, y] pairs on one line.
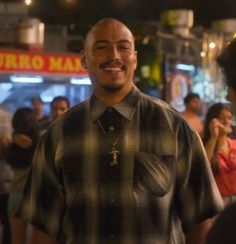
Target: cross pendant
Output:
{"points": [[114, 153]]}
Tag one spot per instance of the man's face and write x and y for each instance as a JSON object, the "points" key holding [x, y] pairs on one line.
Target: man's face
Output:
{"points": [[196, 105], [38, 107], [110, 57], [58, 108]]}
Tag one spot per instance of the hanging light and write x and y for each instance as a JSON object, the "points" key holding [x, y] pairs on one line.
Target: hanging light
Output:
{"points": [[26, 79], [28, 2], [80, 81]]}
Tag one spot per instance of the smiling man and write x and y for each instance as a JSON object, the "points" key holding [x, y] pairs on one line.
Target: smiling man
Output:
{"points": [[111, 60], [121, 167]]}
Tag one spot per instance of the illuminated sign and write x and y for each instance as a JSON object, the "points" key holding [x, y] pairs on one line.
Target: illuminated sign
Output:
{"points": [[41, 63]]}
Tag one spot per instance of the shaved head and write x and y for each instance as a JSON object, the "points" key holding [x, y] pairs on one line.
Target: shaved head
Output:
{"points": [[101, 24]]}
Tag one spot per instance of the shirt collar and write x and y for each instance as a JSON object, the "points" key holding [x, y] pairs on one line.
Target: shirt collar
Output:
{"points": [[126, 107]]}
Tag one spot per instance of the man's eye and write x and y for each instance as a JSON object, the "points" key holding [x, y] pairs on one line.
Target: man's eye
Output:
{"points": [[100, 47], [124, 47]]}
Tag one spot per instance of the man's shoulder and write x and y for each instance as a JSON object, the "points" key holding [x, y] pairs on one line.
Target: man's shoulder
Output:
{"points": [[75, 116], [78, 108], [156, 113], [158, 104], [152, 101]]}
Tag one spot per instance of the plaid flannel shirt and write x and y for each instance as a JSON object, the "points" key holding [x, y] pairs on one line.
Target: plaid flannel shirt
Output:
{"points": [[160, 188]]}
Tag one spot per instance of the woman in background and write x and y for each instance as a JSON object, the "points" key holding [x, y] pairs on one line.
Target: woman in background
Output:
{"points": [[19, 157], [223, 230], [221, 149]]}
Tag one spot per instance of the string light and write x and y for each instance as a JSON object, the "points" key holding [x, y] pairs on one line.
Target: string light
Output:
{"points": [[203, 54], [212, 45]]}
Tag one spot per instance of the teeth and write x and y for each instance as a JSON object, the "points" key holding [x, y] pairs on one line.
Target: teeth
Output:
{"points": [[112, 69]]}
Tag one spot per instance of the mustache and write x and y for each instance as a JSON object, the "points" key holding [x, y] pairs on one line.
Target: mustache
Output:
{"points": [[113, 62]]}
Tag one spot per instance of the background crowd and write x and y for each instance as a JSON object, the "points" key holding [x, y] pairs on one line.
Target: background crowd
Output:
{"points": [[19, 137]]}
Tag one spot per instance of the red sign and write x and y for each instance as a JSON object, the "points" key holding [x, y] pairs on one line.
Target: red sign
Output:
{"points": [[12, 61]]}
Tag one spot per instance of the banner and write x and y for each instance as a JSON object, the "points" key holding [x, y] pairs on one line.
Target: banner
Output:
{"points": [[28, 62]]}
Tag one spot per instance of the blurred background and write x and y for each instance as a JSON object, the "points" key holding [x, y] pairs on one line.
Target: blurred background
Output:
{"points": [[177, 43]]}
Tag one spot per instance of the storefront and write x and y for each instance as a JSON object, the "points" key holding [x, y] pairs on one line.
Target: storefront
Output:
{"points": [[25, 74]]}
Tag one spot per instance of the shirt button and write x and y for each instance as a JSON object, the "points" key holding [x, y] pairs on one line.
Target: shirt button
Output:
{"points": [[110, 110], [111, 128]]}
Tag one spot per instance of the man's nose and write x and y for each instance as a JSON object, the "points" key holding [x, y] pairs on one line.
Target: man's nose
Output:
{"points": [[114, 52]]}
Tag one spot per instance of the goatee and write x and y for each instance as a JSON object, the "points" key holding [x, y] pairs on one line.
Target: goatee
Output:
{"points": [[113, 88]]}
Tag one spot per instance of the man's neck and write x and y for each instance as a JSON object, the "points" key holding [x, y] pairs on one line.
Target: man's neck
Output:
{"points": [[111, 98], [191, 113]]}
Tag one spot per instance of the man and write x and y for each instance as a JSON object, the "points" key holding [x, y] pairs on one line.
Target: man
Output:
{"points": [[223, 230], [37, 105], [59, 106], [38, 108], [193, 108], [119, 167]]}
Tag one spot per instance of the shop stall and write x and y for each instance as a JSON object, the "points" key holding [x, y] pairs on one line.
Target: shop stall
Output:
{"points": [[26, 74]]}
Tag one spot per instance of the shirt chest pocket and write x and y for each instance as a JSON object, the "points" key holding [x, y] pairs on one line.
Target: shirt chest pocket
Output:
{"points": [[153, 174]]}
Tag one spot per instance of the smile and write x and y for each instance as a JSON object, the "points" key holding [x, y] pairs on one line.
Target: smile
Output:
{"points": [[113, 69]]}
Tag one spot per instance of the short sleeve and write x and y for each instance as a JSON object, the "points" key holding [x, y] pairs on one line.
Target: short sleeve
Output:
{"points": [[197, 195], [43, 201]]}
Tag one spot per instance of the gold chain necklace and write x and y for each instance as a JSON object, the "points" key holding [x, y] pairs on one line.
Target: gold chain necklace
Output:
{"points": [[114, 152]]}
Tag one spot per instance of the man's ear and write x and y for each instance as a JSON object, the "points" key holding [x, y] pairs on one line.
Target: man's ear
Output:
{"points": [[135, 59], [83, 59]]}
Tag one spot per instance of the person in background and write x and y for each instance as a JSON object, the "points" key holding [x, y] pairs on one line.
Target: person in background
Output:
{"points": [[19, 158], [59, 105], [193, 109], [43, 121], [221, 149], [122, 166], [223, 229], [227, 60], [5, 174], [38, 108], [25, 141]]}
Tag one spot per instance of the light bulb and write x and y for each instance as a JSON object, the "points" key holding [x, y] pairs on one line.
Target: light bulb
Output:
{"points": [[28, 2]]}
